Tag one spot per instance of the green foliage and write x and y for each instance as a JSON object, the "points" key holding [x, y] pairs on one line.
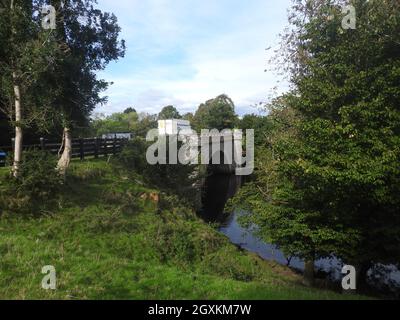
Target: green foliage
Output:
{"points": [[38, 176], [133, 155], [138, 124], [96, 245], [117, 122], [178, 179], [89, 40], [169, 112], [261, 125], [146, 123], [179, 240], [37, 185], [27, 55], [329, 183], [130, 110], [188, 116], [87, 172], [218, 113]]}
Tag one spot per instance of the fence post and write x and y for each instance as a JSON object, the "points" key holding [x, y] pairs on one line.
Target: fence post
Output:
{"points": [[42, 145], [81, 150], [105, 147], [96, 148], [115, 145], [13, 144]]}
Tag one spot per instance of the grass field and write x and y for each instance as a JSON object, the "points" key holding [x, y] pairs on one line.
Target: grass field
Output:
{"points": [[106, 242]]}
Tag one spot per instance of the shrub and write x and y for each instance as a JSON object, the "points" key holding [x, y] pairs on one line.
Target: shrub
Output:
{"points": [[37, 184], [171, 178], [133, 155], [185, 242]]}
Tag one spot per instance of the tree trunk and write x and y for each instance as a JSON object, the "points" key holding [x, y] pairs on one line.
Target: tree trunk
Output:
{"points": [[18, 128], [65, 159], [308, 276]]}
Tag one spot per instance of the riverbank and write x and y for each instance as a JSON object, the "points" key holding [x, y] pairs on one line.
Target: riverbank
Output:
{"points": [[385, 284], [111, 236]]}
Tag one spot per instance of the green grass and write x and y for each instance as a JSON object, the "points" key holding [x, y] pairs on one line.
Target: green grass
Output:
{"points": [[107, 243]]}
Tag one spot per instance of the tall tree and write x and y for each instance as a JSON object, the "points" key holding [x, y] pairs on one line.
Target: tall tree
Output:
{"points": [[90, 38], [338, 178], [169, 112], [260, 124], [27, 51], [218, 113], [348, 94], [130, 110]]}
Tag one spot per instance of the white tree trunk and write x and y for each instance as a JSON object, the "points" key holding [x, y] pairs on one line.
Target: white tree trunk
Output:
{"points": [[65, 159], [18, 128]]}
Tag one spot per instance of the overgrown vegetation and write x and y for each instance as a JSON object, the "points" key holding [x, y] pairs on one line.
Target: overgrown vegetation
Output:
{"points": [[179, 179], [327, 177], [108, 242], [36, 187], [326, 181]]}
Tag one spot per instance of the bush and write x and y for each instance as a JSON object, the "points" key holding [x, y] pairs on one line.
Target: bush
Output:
{"points": [[133, 155], [171, 178], [37, 184], [185, 242]]}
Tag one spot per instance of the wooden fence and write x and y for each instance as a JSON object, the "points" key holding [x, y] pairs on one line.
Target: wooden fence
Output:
{"points": [[81, 147]]}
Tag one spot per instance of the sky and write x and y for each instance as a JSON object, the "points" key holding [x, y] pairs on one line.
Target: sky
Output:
{"points": [[185, 52]]}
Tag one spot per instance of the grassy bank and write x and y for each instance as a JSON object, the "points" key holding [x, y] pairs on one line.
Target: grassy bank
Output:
{"points": [[107, 241]]}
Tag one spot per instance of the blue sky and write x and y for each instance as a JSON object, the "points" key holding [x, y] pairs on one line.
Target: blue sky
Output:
{"points": [[184, 52]]}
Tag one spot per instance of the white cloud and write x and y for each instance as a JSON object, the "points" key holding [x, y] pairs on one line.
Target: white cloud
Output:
{"points": [[176, 56]]}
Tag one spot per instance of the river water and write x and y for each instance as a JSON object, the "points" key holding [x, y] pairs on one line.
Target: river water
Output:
{"points": [[246, 239], [331, 268], [219, 188]]}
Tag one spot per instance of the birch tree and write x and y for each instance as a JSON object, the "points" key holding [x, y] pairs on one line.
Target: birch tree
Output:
{"points": [[27, 51]]}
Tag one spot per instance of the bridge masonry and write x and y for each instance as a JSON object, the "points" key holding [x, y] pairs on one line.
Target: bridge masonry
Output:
{"points": [[221, 151]]}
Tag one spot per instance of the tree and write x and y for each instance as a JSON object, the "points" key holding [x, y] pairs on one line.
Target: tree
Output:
{"points": [[117, 122], [265, 193], [90, 37], [351, 129], [146, 123], [218, 113], [27, 52], [337, 179], [188, 116], [130, 110], [261, 125], [169, 112]]}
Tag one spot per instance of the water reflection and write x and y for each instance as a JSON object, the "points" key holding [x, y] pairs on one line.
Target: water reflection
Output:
{"points": [[248, 241], [331, 267], [219, 188]]}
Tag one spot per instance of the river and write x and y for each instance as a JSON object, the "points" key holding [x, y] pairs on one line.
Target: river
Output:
{"points": [[331, 268], [219, 188]]}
